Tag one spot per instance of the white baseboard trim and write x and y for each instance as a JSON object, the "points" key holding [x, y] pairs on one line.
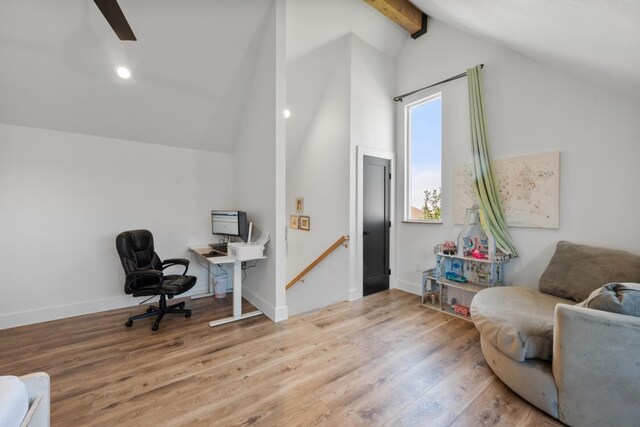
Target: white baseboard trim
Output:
{"points": [[29, 317], [413, 288], [262, 305], [354, 294], [282, 313]]}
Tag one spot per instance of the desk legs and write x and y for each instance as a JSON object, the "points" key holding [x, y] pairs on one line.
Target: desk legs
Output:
{"points": [[237, 299], [210, 284], [237, 289]]}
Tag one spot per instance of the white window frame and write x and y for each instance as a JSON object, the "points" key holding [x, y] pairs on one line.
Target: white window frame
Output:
{"points": [[407, 160]]}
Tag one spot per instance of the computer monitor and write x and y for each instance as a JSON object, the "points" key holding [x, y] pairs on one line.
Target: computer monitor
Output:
{"points": [[230, 223]]}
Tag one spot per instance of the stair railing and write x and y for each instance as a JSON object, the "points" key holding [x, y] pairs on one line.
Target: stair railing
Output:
{"points": [[341, 241]]}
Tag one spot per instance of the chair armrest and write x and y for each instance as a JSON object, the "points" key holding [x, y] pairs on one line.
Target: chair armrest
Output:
{"points": [[176, 261], [595, 366], [141, 274], [38, 387]]}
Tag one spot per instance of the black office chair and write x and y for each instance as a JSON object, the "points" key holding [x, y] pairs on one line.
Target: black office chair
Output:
{"points": [[144, 275]]}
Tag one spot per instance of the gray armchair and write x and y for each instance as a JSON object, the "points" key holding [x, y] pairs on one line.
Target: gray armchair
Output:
{"points": [[579, 365]]}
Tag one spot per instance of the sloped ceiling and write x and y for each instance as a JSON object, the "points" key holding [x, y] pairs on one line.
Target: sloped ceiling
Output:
{"points": [[317, 35], [190, 68], [312, 24], [597, 40], [194, 58]]}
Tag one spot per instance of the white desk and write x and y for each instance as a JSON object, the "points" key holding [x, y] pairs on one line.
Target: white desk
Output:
{"points": [[237, 285]]}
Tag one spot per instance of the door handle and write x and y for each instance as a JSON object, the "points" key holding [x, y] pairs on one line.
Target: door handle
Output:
{"points": [[365, 232]]}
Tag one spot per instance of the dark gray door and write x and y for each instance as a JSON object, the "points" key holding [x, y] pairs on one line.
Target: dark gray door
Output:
{"points": [[375, 224]]}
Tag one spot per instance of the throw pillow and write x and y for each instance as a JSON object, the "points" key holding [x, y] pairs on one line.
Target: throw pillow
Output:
{"points": [[623, 298], [577, 270]]}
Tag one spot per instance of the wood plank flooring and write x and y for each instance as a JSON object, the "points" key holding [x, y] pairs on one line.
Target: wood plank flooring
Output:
{"points": [[382, 360]]}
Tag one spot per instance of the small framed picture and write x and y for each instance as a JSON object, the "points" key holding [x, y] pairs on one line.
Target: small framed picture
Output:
{"points": [[305, 223], [299, 205], [293, 222]]}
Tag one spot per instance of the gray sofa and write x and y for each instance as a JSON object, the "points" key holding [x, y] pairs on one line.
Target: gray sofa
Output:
{"points": [[580, 365]]}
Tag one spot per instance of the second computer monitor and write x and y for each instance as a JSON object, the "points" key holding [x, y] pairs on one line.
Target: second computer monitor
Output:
{"points": [[230, 223]]}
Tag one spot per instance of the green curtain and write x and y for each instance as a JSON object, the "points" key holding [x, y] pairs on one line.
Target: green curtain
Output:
{"points": [[491, 213]]}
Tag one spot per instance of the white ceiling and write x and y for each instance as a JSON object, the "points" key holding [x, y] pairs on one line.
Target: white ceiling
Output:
{"points": [[312, 24], [192, 60], [316, 41], [597, 40]]}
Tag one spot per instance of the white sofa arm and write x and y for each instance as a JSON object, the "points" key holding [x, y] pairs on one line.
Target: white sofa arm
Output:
{"points": [[38, 389], [596, 368]]}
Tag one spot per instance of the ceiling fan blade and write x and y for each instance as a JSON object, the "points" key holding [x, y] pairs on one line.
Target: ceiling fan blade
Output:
{"points": [[114, 16]]}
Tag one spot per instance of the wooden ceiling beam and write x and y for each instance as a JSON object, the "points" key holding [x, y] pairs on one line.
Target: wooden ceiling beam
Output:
{"points": [[403, 13]]}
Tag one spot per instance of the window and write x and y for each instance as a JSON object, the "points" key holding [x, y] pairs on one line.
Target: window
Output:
{"points": [[423, 165]]}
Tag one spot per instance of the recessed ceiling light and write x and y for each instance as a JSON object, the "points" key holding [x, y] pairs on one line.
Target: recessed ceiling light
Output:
{"points": [[287, 114], [123, 72]]}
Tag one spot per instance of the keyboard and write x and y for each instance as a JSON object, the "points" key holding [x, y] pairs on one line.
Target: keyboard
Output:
{"points": [[213, 254], [220, 247]]}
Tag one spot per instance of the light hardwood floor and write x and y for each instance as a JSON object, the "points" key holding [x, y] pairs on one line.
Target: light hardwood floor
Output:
{"points": [[382, 360]]}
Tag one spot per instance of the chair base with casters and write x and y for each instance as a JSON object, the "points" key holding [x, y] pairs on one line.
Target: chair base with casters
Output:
{"points": [[160, 312]]}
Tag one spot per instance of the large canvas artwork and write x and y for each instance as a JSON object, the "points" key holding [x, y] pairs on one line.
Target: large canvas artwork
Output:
{"points": [[529, 188]]}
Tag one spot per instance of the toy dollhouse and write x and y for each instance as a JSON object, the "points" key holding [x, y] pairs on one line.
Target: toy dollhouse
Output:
{"points": [[457, 277]]}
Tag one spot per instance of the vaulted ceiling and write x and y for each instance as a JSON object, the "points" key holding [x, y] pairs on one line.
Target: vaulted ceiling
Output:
{"points": [[597, 40], [193, 60], [190, 65], [316, 41]]}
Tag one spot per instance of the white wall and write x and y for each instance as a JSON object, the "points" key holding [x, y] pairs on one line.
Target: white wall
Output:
{"points": [[259, 158], [354, 110], [313, 24], [337, 78], [372, 91], [63, 199], [530, 108], [320, 174], [372, 127]]}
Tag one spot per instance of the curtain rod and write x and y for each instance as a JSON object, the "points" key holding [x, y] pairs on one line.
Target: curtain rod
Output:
{"points": [[450, 79]]}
